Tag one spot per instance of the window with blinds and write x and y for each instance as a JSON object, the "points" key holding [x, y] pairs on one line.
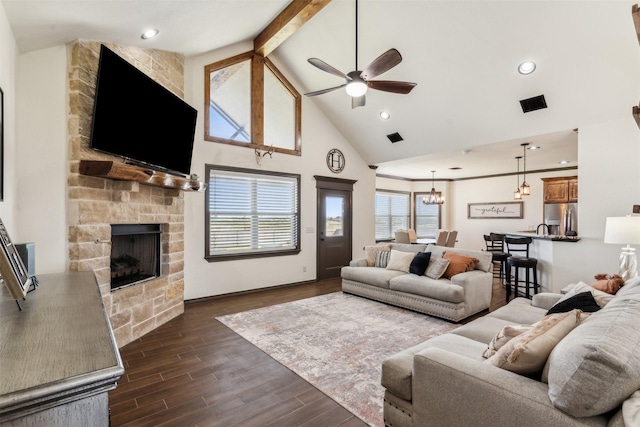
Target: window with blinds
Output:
{"points": [[426, 217], [251, 213], [393, 210]]}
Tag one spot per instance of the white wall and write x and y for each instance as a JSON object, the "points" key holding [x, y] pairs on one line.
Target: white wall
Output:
{"points": [[203, 278], [9, 206], [42, 156]]}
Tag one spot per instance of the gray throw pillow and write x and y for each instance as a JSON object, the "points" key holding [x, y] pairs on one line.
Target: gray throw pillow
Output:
{"points": [[437, 267]]}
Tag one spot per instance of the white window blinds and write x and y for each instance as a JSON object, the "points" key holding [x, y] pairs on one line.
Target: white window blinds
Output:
{"points": [[392, 213], [251, 213]]}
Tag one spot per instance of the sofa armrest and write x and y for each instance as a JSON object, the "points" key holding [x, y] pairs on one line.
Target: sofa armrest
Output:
{"points": [[359, 262], [545, 300], [478, 287], [449, 389]]}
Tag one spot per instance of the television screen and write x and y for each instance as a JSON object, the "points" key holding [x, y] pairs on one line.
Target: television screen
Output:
{"points": [[140, 120]]}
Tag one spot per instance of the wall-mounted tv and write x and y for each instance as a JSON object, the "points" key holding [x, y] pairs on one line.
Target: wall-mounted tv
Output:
{"points": [[138, 119]]}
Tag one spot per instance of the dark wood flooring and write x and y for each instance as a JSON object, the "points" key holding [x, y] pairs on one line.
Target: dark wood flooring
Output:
{"points": [[194, 371]]}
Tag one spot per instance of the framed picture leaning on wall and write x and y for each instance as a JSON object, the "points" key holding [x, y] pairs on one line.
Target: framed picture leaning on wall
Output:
{"points": [[14, 273]]}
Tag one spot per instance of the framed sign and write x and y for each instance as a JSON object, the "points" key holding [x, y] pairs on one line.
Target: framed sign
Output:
{"points": [[494, 210], [14, 273]]}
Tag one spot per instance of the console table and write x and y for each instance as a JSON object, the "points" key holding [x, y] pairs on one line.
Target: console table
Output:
{"points": [[58, 356]]}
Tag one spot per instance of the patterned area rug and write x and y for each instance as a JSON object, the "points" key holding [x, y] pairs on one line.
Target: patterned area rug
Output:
{"points": [[337, 342]]}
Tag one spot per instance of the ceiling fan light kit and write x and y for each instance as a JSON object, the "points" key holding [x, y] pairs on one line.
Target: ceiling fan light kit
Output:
{"points": [[357, 82]]}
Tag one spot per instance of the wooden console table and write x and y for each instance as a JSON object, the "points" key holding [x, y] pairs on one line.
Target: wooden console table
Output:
{"points": [[58, 357]]}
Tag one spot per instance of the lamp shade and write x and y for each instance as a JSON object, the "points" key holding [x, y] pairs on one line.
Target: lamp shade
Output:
{"points": [[622, 230]]}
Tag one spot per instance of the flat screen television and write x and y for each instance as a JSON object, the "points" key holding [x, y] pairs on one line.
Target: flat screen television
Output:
{"points": [[138, 119]]}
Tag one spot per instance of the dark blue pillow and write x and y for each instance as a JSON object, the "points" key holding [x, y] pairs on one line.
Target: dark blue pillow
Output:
{"points": [[583, 301], [420, 263]]}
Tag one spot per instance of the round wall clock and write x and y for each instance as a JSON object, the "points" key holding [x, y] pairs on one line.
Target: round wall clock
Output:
{"points": [[335, 160]]}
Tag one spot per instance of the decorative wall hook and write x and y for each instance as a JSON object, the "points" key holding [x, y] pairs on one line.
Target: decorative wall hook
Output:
{"points": [[261, 153]]}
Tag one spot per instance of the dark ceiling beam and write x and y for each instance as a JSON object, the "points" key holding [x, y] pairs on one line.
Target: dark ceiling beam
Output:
{"points": [[294, 16]]}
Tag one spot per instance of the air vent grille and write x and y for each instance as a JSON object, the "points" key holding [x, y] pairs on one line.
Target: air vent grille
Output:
{"points": [[395, 137], [532, 104]]}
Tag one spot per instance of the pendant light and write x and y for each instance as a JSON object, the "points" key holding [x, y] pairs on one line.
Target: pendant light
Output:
{"points": [[525, 189], [516, 194], [433, 198]]}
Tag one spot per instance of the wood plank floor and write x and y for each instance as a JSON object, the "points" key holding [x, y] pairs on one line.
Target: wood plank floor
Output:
{"points": [[194, 371]]}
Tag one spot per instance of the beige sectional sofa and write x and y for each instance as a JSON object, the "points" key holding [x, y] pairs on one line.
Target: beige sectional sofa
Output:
{"points": [[453, 299], [588, 375]]}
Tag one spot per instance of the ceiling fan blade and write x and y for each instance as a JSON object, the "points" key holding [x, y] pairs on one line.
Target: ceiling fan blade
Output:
{"points": [[327, 68], [320, 92], [382, 63], [357, 101], [391, 86]]}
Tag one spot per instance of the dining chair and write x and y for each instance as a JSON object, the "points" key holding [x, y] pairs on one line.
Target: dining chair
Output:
{"points": [[451, 238], [441, 237], [402, 236], [413, 237]]}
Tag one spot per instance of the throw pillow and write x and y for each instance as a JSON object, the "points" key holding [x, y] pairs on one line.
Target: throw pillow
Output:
{"points": [[631, 410], [399, 260], [602, 298], [503, 337], [372, 251], [458, 264], [583, 301], [608, 284], [420, 263], [382, 258], [528, 352], [436, 268]]}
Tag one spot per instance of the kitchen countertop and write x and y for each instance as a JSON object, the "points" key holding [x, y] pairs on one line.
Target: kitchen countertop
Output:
{"points": [[551, 237]]}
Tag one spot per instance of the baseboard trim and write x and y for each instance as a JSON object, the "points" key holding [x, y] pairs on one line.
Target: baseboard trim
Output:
{"points": [[250, 291]]}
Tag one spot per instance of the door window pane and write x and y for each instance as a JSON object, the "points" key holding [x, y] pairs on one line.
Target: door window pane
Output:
{"points": [[334, 215]]}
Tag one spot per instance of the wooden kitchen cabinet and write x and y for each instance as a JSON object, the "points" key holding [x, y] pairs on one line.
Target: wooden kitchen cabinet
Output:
{"points": [[560, 189]]}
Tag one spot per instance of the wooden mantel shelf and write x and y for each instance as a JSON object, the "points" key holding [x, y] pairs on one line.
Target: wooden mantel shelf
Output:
{"points": [[126, 172]]}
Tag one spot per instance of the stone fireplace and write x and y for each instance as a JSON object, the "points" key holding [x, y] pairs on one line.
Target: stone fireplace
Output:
{"points": [[94, 203], [135, 254]]}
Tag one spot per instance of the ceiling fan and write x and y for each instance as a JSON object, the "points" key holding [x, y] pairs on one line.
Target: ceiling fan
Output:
{"points": [[357, 82]]}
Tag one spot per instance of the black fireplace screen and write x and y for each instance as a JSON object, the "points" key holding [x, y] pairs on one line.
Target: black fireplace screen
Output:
{"points": [[135, 253]]}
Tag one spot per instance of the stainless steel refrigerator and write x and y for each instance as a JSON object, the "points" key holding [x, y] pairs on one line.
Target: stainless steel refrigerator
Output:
{"points": [[561, 218]]}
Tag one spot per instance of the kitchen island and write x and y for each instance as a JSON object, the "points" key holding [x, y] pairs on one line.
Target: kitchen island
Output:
{"points": [[556, 259]]}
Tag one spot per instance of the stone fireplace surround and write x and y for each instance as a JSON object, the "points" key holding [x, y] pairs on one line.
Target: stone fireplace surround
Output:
{"points": [[95, 203]]}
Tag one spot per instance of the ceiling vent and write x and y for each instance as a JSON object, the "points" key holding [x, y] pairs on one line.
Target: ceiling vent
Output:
{"points": [[395, 137], [532, 104]]}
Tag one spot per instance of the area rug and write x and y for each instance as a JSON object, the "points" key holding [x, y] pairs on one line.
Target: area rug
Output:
{"points": [[337, 342]]}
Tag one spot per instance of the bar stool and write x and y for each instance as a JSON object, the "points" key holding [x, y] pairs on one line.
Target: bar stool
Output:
{"points": [[495, 245], [515, 245]]}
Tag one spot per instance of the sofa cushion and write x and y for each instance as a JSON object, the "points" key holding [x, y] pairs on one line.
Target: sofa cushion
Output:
{"points": [[519, 310], [441, 290], [527, 352], [458, 264], [482, 329], [373, 276], [631, 287], [436, 268], [596, 367], [397, 369], [399, 260], [420, 263], [372, 251], [583, 301]]}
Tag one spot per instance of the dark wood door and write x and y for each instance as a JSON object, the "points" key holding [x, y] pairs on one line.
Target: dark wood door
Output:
{"points": [[334, 226]]}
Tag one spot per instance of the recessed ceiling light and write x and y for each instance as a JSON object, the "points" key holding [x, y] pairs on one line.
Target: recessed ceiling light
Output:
{"points": [[384, 115], [534, 147], [527, 67], [149, 34], [563, 162]]}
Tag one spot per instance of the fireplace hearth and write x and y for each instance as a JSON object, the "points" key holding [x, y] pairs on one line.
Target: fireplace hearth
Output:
{"points": [[135, 254]]}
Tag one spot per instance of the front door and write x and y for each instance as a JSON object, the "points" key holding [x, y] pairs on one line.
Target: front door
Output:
{"points": [[334, 228]]}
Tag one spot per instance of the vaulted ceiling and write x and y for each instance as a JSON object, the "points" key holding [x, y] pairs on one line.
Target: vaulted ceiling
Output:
{"points": [[464, 112]]}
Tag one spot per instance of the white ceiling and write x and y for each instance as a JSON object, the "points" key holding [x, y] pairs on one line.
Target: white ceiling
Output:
{"points": [[462, 55]]}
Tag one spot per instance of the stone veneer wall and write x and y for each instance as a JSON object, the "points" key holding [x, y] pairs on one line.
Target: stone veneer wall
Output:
{"points": [[96, 203]]}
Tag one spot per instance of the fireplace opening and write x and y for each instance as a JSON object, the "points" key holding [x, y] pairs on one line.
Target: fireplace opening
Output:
{"points": [[135, 253]]}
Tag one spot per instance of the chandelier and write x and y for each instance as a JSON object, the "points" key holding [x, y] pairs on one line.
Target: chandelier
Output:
{"points": [[433, 198]]}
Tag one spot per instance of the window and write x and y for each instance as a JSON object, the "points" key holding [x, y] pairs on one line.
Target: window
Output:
{"points": [[251, 213], [426, 217], [392, 213], [251, 104]]}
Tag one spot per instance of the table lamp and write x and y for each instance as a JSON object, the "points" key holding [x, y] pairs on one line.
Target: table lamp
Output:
{"points": [[624, 230]]}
